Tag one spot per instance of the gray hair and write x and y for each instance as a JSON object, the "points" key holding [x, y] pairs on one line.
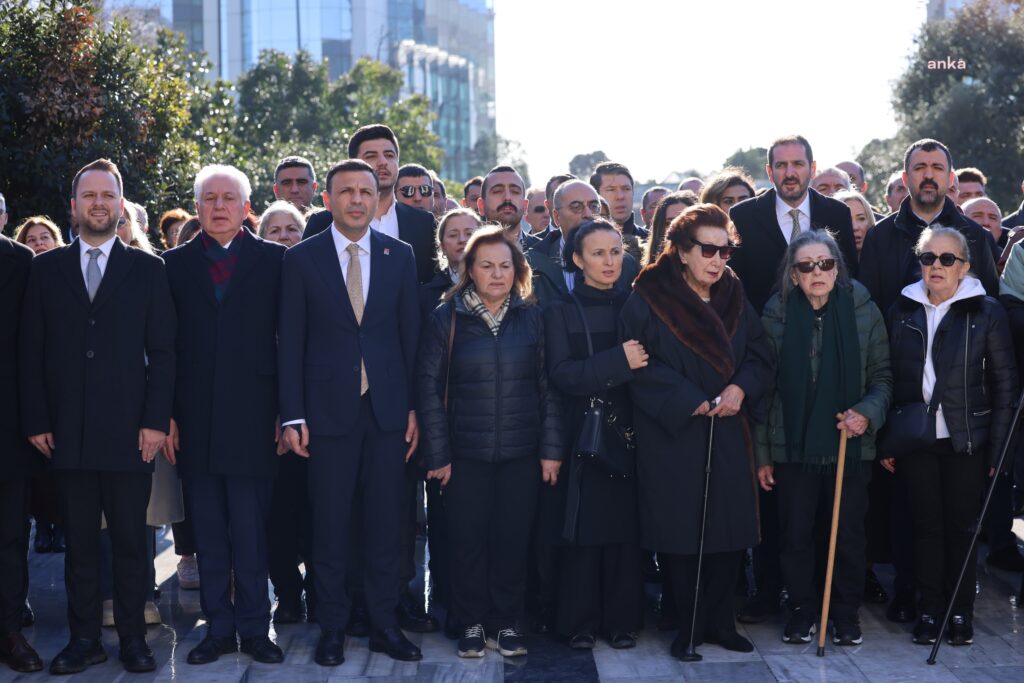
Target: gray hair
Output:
{"points": [[836, 171], [207, 172], [556, 199], [281, 206], [928, 234], [805, 239], [3, 203]]}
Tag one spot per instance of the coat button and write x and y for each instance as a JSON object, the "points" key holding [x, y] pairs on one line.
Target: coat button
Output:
{"points": [[92, 321], [355, 368], [89, 354]]}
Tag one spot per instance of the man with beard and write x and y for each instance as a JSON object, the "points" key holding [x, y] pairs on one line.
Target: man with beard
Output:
{"points": [[769, 222], [614, 182], [503, 201], [97, 352], [377, 145]]}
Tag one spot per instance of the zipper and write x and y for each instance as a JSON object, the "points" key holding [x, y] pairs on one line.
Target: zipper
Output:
{"points": [[924, 344], [967, 410], [497, 395]]}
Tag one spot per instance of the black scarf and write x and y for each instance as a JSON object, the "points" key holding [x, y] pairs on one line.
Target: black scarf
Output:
{"points": [[809, 407]]}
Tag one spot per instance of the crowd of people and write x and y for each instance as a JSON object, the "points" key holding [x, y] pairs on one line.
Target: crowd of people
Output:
{"points": [[574, 403]]}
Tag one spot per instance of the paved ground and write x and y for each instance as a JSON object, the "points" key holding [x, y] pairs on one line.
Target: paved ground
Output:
{"points": [[886, 655]]}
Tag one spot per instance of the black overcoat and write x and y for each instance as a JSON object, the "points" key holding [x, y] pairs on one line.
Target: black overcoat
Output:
{"points": [[225, 395]]}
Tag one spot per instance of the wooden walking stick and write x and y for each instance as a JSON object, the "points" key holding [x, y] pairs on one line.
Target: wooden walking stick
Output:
{"points": [[837, 499]]}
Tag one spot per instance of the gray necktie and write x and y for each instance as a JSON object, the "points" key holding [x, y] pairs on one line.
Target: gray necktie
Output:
{"points": [[795, 213], [92, 273]]}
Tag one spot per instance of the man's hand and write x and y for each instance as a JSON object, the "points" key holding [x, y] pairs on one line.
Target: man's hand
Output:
{"points": [[889, 464], [766, 476], [171, 444], [43, 443], [150, 441], [412, 435], [282, 448], [729, 402], [549, 471], [296, 438], [442, 474]]}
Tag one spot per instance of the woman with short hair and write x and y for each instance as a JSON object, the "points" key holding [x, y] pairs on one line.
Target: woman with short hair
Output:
{"points": [[281, 222]]}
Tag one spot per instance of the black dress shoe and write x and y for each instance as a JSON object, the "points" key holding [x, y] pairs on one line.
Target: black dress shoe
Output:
{"points": [[412, 616], [18, 654], [583, 641], [393, 643], [76, 656], [358, 620], [901, 610], [262, 649], [211, 648], [330, 651], [622, 641], [288, 612], [136, 655], [28, 617]]}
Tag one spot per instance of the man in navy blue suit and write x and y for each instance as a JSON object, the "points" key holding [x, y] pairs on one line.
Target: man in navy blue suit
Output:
{"points": [[349, 327]]}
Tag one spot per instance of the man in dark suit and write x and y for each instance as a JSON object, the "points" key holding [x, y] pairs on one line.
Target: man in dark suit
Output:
{"points": [[225, 285], [767, 224], [349, 327], [503, 201], [377, 145], [97, 353], [18, 463]]}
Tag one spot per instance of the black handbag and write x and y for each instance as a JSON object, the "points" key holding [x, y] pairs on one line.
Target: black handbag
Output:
{"points": [[911, 427], [591, 444]]}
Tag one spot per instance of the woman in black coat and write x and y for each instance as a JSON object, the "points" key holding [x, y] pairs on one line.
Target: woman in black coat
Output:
{"points": [[601, 582], [453, 232], [487, 416], [951, 348], [705, 341]]}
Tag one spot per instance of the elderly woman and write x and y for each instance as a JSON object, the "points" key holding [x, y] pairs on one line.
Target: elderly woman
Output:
{"points": [[453, 232], [860, 212], [282, 223], [832, 357], [601, 581], [490, 432], [706, 345], [666, 210], [39, 234], [952, 352]]}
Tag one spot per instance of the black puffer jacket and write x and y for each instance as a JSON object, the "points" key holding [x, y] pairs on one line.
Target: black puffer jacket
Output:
{"points": [[973, 345], [500, 406]]}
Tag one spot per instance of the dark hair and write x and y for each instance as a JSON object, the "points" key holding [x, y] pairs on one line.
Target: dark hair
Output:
{"points": [[790, 140], [926, 145], [189, 230], [440, 183], [295, 162], [494, 234], [609, 168], [574, 245], [475, 180], [499, 169], [730, 176], [971, 175], [168, 219], [351, 165], [374, 131], [553, 183], [98, 165], [659, 225], [649, 192], [683, 231], [413, 171]]}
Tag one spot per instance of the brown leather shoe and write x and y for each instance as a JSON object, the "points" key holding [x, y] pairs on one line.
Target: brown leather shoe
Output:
{"points": [[18, 654]]}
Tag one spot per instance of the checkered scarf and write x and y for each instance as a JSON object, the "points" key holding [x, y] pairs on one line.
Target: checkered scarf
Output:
{"points": [[473, 304]]}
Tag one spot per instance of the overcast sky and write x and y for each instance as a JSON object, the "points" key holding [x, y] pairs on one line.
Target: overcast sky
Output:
{"points": [[669, 86]]}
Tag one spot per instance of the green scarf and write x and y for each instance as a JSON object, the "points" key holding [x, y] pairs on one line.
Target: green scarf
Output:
{"points": [[809, 407]]}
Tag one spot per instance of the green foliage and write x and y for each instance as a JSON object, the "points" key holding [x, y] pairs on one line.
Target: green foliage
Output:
{"points": [[752, 160], [880, 158], [582, 165]]}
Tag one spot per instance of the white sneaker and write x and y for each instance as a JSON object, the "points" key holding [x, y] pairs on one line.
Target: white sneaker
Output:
{"points": [[108, 612], [152, 614], [188, 573]]}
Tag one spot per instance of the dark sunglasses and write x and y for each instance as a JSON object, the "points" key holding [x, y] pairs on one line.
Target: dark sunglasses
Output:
{"points": [[410, 190], [928, 258], [540, 209], [709, 250], [825, 264]]}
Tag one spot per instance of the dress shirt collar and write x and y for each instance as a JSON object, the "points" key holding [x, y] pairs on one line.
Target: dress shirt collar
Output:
{"points": [[341, 242], [105, 247], [782, 209]]}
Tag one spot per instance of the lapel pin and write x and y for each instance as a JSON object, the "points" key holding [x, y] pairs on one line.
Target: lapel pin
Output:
{"points": [[387, 252]]}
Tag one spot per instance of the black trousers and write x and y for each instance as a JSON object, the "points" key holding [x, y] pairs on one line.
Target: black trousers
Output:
{"points": [[490, 512], [290, 531], [767, 571], [805, 518], [945, 491], [123, 498], [184, 535], [411, 480], [229, 515], [438, 544], [715, 613], [546, 553], [601, 589], [372, 460], [14, 498], [999, 519]]}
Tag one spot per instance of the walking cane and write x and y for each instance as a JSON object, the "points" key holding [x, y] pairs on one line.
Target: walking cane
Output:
{"points": [[977, 528], [836, 500], [690, 655]]}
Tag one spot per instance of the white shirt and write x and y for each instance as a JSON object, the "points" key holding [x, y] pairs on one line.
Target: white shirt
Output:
{"points": [[388, 223], [341, 247], [782, 210], [101, 260]]}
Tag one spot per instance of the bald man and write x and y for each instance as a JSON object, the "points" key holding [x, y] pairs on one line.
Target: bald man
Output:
{"points": [[986, 213]]}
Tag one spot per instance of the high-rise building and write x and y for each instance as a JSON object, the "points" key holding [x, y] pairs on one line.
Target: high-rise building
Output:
{"points": [[444, 48]]}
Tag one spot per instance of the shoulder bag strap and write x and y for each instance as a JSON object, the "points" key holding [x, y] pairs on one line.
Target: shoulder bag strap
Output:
{"points": [[583, 319]]}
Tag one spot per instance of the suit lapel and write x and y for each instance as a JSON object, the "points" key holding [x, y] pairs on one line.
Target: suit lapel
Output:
{"points": [[71, 266], [118, 265], [248, 257], [327, 261], [380, 263], [200, 270], [771, 219], [6, 261]]}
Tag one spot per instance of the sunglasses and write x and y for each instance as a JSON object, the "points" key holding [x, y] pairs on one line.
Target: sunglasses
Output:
{"points": [[825, 264], [709, 250], [927, 258], [410, 190], [540, 209]]}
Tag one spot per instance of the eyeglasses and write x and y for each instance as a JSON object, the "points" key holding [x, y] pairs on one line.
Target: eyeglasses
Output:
{"points": [[540, 209], [927, 258], [806, 267], [709, 250], [410, 190], [578, 207]]}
